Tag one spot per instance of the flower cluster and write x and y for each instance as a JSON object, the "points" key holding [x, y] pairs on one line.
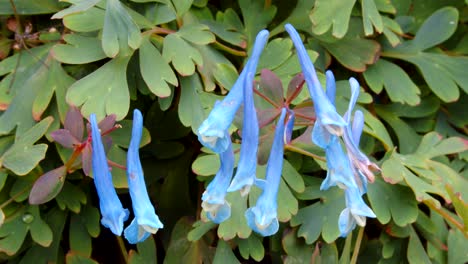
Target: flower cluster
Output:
{"points": [[146, 221], [349, 171]]}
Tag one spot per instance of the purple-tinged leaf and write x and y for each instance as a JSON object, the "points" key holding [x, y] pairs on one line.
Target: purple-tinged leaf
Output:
{"points": [[86, 159], [65, 138], [304, 113], [294, 87], [107, 123], [271, 87], [267, 116], [47, 186], [74, 122], [264, 147]]}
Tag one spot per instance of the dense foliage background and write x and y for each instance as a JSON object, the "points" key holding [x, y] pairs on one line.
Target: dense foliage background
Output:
{"points": [[172, 59]]}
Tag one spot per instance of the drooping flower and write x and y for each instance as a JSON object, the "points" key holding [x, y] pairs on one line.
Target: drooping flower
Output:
{"points": [[352, 136], [214, 198], [339, 171], [113, 214], [355, 212], [146, 221], [320, 135], [263, 217], [324, 109], [246, 168], [211, 132]]}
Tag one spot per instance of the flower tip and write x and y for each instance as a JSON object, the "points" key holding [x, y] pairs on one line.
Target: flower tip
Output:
{"points": [[260, 223], [115, 221], [217, 213]]}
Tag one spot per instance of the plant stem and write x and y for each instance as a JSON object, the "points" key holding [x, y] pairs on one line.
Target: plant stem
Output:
{"points": [[357, 245], [257, 92], [303, 152], [447, 217], [229, 50], [123, 250]]}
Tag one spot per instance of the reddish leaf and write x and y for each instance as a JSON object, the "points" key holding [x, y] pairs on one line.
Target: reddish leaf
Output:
{"points": [[65, 138], [271, 87], [107, 123], [74, 123], [47, 186], [267, 116], [294, 87], [86, 159]]}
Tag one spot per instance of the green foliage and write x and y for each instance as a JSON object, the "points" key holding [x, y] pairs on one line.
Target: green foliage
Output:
{"points": [[173, 60]]}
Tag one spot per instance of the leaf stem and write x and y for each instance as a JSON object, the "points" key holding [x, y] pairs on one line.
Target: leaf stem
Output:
{"points": [[123, 250], [357, 245], [257, 92], [229, 50], [447, 217], [303, 152], [115, 164]]}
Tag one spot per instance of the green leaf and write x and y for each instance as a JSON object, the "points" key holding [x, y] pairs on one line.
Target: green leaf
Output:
{"points": [[182, 55], [38, 228], [120, 30], [251, 247], [24, 156], [236, 225], [442, 72], [108, 87], [146, 252], [180, 250], [395, 202], [299, 17], [371, 17], [76, 8], [228, 27], [181, 6], [296, 249], [71, 198], [436, 29], [397, 83], [354, 52], [119, 176], [224, 254], [200, 228], [206, 165], [416, 252], [155, 71], [433, 145], [28, 73], [26, 7], [57, 82], [196, 33], [190, 108], [292, 177], [79, 239], [215, 67], [78, 50], [76, 258], [256, 17], [321, 216], [460, 203], [275, 53], [47, 186], [456, 247], [87, 21], [121, 136], [326, 9]]}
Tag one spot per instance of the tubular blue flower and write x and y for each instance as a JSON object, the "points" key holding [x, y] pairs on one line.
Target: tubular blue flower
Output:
{"points": [[113, 214], [211, 132], [361, 163], [289, 127], [320, 135], [262, 218], [324, 109], [246, 168], [146, 221], [214, 198], [339, 171], [355, 212]]}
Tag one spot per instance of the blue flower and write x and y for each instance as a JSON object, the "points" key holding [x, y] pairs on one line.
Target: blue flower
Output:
{"points": [[113, 214], [324, 108], [339, 171], [211, 132], [320, 135], [262, 218], [360, 162], [146, 221], [246, 168], [355, 212], [214, 198]]}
